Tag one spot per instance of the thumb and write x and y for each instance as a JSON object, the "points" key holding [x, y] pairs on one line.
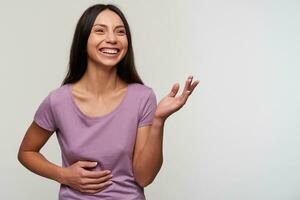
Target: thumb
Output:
{"points": [[87, 164]]}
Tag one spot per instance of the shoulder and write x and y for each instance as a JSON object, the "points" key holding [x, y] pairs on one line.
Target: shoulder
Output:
{"points": [[59, 94], [142, 90], [143, 95]]}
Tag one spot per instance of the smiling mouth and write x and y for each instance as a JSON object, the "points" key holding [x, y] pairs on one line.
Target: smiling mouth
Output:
{"points": [[109, 51]]}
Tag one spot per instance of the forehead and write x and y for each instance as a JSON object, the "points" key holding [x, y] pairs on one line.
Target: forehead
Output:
{"points": [[108, 18]]}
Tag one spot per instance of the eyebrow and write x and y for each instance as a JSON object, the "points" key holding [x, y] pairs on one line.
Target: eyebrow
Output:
{"points": [[118, 26]]}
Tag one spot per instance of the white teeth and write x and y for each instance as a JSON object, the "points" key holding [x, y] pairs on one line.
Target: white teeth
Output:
{"points": [[110, 51]]}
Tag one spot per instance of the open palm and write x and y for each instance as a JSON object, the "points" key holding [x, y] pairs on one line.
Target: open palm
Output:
{"points": [[171, 103]]}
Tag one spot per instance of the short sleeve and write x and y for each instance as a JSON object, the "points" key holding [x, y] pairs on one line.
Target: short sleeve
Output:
{"points": [[44, 116], [147, 110]]}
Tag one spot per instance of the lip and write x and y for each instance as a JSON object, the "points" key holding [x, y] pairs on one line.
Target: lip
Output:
{"points": [[110, 55], [113, 48]]}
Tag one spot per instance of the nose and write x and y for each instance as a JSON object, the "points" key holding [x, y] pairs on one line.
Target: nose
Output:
{"points": [[111, 38]]}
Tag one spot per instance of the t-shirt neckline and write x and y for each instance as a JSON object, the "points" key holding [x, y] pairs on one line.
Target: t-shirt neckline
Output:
{"points": [[83, 115]]}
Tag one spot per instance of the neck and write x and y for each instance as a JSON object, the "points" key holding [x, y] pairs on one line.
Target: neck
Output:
{"points": [[100, 81]]}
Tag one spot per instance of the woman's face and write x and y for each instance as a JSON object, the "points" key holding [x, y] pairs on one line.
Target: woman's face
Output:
{"points": [[107, 43]]}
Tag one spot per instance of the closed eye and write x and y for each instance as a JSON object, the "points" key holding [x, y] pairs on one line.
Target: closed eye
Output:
{"points": [[99, 31], [121, 32]]}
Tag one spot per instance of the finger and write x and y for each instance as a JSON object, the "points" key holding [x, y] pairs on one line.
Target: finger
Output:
{"points": [[187, 83], [96, 186], [174, 90], [194, 84], [97, 180], [87, 164], [188, 92], [187, 86], [91, 191], [96, 174]]}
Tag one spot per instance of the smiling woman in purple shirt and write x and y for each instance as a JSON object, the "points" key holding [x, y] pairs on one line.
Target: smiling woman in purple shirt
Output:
{"points": [[107, 122]]}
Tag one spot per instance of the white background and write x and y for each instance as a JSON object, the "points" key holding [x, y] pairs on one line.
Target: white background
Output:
{"points": [[238, 136]]}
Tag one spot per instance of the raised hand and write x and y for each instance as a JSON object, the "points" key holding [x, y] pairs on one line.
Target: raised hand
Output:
{"points": [[86, 181], [171, 103]]}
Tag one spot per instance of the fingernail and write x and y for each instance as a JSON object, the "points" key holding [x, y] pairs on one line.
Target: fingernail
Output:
{"points": [[95, 163], [108, 171]]}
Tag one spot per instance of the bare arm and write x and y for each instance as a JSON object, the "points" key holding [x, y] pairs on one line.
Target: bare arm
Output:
{"points": [[75, 176], [148, 154], [29, 153]]}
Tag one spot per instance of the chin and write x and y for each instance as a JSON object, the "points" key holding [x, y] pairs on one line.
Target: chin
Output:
{"points": [[109, 62]]}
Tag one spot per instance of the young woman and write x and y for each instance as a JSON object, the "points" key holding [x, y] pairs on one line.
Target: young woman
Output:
{"points": [[107, 122]]}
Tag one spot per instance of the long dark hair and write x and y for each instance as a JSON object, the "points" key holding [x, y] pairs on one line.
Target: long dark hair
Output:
{"points": [[78, 55]]}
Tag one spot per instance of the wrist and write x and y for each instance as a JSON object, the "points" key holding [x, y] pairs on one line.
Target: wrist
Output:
{"points": [[61, 175], [159, 120]]}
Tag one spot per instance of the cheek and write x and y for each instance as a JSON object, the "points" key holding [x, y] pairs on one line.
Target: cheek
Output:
{"points": [[94, 40], [125, 44], [92, 44], [89, 49], [89, 44]]}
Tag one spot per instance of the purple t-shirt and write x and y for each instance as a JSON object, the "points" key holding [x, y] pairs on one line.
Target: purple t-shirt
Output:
{"points": [[108, 139]]}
